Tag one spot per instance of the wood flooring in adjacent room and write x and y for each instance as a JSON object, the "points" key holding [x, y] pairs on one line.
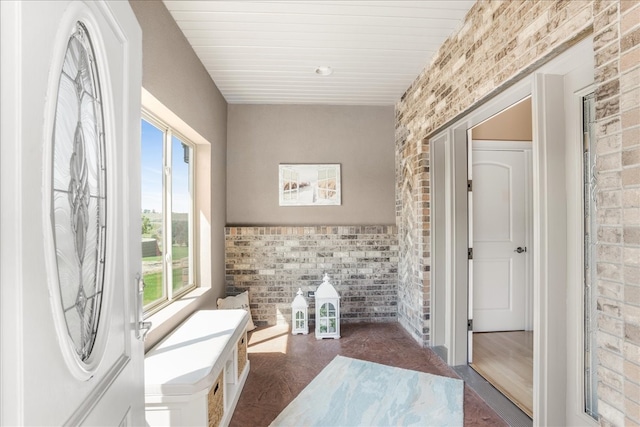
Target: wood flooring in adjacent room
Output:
{"points": [[283, 364], [505, 359]]}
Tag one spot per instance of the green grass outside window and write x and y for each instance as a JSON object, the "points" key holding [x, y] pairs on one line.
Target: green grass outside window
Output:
{"points": [[153, 281]]}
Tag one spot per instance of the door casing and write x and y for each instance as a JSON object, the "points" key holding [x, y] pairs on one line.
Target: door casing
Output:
{"points": [[557, 386]]}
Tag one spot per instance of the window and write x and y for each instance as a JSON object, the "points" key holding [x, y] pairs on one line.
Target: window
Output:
{"points": [[590, 244], [167, 213]]}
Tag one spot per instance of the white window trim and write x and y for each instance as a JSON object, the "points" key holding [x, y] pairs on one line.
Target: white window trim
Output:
{"points": [[165, 319], [168, 134]]}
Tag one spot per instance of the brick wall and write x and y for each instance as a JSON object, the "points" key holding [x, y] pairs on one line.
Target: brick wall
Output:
{"points": [[617, 74], [412, 219], [273, 262], [500, 42]]}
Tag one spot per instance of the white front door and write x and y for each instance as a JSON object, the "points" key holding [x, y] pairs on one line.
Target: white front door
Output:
{"points": [[69, 197], [499, 240]]}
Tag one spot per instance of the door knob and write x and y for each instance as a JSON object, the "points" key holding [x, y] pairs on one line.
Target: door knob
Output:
{"points": [[520, 249], [142, 327]]}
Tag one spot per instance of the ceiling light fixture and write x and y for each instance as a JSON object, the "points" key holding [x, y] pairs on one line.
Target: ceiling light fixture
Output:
{"points": [[324, 70]]}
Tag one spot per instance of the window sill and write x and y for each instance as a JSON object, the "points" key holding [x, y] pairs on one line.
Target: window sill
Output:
{"points": [[169, 317]]}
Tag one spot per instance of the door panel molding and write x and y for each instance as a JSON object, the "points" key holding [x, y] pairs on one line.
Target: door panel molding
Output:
{"points": [[11, 221], [92, 400], [485, 144]]}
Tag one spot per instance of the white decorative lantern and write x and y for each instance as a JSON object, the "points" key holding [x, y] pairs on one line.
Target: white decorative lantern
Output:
{"points": [[299, 315], [327, 311]]}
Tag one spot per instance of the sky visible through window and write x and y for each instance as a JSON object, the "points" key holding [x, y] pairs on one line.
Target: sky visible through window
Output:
{"points": [[152, 172]]}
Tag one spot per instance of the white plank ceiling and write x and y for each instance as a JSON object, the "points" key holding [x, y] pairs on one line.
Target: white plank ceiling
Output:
{"points": [[266, 52]]}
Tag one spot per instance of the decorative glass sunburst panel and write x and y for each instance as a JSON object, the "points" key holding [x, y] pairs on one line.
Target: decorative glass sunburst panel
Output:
{"points": [[79, 192]]}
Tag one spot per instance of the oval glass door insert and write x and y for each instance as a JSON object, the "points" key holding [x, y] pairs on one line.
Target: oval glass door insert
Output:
{"points": [[79, 195]]}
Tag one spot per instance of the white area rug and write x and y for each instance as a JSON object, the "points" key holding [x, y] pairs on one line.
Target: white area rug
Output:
{"points": [[352, 392]]}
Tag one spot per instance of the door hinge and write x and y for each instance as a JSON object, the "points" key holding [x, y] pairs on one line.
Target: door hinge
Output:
{"points": [[470, 253], [470, 325], [469, 185]]}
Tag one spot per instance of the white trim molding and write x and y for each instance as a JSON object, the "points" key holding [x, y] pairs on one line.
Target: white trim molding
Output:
{"points": [[11, 221]]}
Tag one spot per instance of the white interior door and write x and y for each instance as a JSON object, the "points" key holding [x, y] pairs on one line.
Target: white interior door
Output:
{"points": [[71, 78], [499, 240]]}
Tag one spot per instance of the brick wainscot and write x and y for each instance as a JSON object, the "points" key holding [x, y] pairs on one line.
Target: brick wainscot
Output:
{"points": [[273, 262]]}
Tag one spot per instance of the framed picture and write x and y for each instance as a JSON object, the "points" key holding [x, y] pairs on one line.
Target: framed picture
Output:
{"points": [[309, 185]]}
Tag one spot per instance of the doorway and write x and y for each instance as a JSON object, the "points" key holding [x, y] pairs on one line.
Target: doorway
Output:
{"points": [[556, 246], [500, 233]]}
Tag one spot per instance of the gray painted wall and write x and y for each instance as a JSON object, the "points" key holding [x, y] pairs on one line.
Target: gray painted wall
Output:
{"points": [[360, 138], [172, 72], [174, 75]]}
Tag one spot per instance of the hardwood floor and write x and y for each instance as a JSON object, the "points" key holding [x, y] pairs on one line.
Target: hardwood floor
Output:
{"points": [[505, 359], [283, 364]]}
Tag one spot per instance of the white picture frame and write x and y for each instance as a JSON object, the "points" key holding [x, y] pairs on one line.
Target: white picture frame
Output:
{"points": [[309, 185]]}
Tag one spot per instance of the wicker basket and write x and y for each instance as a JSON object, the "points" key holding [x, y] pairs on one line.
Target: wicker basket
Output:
{"points": [[242, 353], [216, 401]]}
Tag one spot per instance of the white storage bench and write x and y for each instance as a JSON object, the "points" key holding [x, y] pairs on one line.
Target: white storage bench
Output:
{"points": [[195, 375]]}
